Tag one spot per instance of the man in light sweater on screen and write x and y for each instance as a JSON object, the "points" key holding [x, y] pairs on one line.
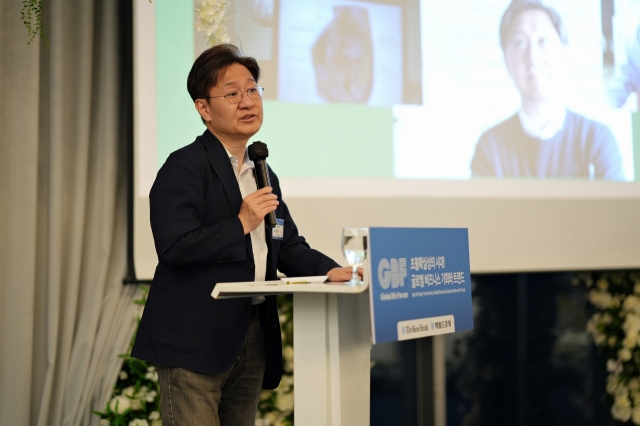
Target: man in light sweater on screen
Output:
{"points": [[544, 139]]}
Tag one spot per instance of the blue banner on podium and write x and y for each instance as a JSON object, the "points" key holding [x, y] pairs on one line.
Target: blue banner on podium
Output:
{"points": [[420, 282]]}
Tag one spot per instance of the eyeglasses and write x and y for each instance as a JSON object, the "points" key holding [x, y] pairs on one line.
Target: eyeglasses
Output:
{"points": [[235, 97]]}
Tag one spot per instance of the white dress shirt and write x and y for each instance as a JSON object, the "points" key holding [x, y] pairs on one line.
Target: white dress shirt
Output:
{"points": [[247, 183]]}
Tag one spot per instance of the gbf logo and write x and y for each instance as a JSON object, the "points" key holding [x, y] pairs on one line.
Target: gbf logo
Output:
{"points": [[392, 272]]}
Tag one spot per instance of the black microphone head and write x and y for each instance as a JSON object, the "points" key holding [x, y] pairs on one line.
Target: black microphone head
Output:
{"points": [[258, 151]]}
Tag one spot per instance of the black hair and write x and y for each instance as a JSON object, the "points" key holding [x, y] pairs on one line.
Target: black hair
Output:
{"points": [[212, 63], [517, 7]]}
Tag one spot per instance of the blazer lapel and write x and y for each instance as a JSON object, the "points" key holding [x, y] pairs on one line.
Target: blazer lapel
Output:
{"points": [[219, 160]]}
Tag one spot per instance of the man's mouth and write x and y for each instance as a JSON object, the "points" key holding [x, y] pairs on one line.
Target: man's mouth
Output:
{"points": [[247, 117]]}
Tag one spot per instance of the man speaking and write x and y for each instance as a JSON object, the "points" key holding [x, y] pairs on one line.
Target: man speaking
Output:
{"points": [[207, 218]]}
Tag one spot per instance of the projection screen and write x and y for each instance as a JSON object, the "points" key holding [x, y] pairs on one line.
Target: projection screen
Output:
{"points": [[419, 113]]}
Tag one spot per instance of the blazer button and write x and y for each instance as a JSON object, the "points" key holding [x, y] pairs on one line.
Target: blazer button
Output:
{"points": [[251, 268]]}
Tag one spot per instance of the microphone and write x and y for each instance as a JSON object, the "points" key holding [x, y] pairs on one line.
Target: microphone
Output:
{"points": [[258, 153]]}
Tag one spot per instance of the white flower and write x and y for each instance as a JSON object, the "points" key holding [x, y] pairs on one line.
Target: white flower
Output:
{"points": [[134, 398], [286, 383], [271, 417], [588, 281], [211, 21], [152, 375], [615, 301], [634, 384], [612, 384], [612, 341], [635, 415], [138, 422], [621, 409], [119, 404], [104, 422], [602, 284], [621, 413], [622, 392], [631, 324], [612, 365], [154, 415], [123, 375], [156, 422], [145, 394], [129, 391], [601, 299], [630, 341], [624, 354], [287, 354], [284, 402], [606, 318], [630, 303], [151, 396], [136, 404], [265, 395], [280, 421]]}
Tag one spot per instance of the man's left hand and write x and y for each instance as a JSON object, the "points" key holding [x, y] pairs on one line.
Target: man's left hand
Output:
{"points": [[342, 274]]}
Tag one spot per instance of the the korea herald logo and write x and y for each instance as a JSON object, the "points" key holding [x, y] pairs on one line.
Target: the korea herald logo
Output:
{"points": [[392, 272]]}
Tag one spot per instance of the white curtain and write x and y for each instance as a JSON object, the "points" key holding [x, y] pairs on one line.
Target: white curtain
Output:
{"points": [[64, 313]]}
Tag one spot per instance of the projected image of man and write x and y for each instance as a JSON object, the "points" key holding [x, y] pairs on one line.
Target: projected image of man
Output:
{"points": [[543, 139]]}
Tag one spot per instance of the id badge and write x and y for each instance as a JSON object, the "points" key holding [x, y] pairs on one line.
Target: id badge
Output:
{"points": [[278, 230]]}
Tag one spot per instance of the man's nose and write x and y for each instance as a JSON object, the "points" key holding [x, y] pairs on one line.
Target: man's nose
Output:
{"points": [[535, 54], [246, 100]]}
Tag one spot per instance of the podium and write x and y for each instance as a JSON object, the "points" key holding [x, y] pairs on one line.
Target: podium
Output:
{"points": [[332, 347], [418, 282]]}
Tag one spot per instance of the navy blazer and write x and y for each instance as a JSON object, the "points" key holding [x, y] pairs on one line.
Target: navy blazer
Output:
{"points": [[199, 239]]}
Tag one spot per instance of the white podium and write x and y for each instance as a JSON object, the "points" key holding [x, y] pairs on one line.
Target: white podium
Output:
{"points": [[332, 344]]}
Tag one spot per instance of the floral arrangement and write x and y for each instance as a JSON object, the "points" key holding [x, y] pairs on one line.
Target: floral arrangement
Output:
{"points": [[211, 21], [276, 406], [615, 328], [135, 399]]}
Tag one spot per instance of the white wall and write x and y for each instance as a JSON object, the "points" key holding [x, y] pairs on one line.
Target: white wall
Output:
{"points": [[514, 226]]}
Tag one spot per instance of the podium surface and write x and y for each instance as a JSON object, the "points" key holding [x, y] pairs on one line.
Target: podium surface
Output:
{"points": [[267, 288], [332, 347]]}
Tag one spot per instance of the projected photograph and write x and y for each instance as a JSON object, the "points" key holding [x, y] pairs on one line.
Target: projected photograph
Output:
{"points": [[457, 89], [340, 52], [321, 51], [516, 93]]}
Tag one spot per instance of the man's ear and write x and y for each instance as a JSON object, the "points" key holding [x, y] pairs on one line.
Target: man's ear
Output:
{"points": [[203, 109]]}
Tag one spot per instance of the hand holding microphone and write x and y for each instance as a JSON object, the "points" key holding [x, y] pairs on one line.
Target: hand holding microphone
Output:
{"points": [[261, 204]]}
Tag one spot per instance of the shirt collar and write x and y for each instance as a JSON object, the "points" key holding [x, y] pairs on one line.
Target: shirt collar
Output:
{"points": [[546, 131], [246, 160]]}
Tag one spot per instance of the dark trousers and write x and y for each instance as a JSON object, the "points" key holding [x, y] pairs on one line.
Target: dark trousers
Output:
{"points": [[226, 399]]}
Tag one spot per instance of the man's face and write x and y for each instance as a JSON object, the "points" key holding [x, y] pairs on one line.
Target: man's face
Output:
{"points": [[534, 56], [232, 122]]}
